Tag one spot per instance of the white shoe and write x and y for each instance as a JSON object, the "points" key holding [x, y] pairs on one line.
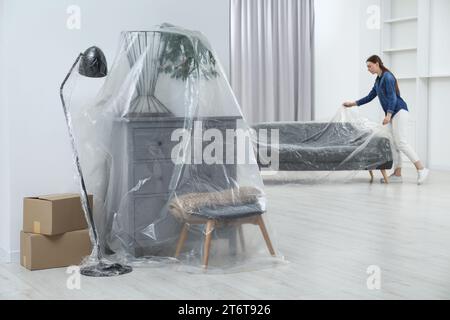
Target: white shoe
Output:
{"points": [[422, 175], [393, 179]]}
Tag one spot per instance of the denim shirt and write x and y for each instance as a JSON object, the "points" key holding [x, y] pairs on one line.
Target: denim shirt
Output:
{"points": [[384, 88]]}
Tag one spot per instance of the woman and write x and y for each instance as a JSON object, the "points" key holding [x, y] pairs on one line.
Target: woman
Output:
{"points": [[396, 114]]}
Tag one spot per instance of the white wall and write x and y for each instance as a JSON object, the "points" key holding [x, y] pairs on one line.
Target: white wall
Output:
{"points": [[337, 59], [369, 44], [40, 50], [439, 88], [345, 36], [439, 29], [4, 151]]}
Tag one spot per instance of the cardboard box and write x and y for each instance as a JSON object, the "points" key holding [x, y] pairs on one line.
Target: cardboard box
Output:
{"points": [[54, 214], [39, 251]]}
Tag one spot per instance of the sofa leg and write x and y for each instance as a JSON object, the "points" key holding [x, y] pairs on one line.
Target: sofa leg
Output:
{"points": [[371, 176], [385, 176]]}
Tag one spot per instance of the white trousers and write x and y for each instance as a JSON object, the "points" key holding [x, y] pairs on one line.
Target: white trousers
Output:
{"points": [[399, 127]]}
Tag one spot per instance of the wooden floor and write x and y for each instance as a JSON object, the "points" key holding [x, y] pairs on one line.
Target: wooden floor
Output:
{"points": [[331, 232]]}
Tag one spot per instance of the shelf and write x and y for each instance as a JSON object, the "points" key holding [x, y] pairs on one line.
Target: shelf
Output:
{"points": [[436, 76], [399, 50], [405, 19], [406, 78]]}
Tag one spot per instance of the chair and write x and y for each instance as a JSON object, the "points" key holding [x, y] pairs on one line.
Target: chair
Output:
{"points": [[233, 207]]}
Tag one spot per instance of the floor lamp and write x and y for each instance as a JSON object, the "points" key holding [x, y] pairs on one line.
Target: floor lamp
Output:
{"points": [[92, 65]]}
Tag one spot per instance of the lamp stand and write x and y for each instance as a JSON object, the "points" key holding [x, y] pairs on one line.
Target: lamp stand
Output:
{"points": [[96, 266]]}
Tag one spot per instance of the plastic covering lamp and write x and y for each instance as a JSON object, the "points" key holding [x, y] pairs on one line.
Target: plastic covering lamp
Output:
{"points": [[92, 64]]}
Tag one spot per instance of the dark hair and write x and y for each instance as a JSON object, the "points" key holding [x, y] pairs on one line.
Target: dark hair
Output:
{"points": [[377, 59]]}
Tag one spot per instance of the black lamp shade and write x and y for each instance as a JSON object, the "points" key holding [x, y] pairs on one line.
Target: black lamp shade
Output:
{"points": [[93, 63]]}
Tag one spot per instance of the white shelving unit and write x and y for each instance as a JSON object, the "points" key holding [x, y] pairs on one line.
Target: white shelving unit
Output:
{"points": [[405, 50], [437, 76], [412, 77], [399, 50], [405, 19]]}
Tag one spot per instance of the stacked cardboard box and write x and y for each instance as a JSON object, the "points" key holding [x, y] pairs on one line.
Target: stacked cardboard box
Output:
{"points": [[54, 232]]}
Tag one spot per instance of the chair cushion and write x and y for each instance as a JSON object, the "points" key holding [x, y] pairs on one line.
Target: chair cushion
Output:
{"points": [[227, 204], [231, 212]]}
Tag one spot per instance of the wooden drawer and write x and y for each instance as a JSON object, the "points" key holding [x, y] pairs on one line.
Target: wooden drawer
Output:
{"points": [[156, 174], [149, 212], [156, 143], [152, 143]]}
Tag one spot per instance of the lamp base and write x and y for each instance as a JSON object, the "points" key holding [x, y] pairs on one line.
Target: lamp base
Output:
{"points": [[102, 269]]}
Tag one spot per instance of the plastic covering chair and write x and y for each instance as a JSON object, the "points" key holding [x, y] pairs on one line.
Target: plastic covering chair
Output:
{"points": [[233, 207]]}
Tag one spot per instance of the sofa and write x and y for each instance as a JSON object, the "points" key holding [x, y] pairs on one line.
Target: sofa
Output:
{"points": [[324, 146]]}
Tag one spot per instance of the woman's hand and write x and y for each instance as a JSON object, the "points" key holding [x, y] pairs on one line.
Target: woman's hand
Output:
{"points": [[387, 119], [349, 104]]}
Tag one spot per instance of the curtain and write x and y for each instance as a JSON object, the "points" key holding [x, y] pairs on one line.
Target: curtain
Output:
{"points": [[271, 44]]}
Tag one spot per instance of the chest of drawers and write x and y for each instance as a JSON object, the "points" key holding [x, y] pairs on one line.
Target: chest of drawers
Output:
{"points": [[152, 178]]}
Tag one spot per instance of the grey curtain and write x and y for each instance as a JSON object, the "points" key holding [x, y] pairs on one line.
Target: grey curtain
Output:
{"points": [[271, 44]]}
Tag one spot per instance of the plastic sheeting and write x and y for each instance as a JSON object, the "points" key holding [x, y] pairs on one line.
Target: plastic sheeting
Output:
{"points": [[323, 151], [170, 160]]}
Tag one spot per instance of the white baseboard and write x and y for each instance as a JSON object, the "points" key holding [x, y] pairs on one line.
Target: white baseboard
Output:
{"points": [[15, 256], [4, 256], [8, 257], [440, 168]]}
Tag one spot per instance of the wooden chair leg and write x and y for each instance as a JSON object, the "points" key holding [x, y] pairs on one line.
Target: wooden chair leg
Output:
{"points": [[262, 226], [207, 245], [182, 239], [241, 237], [385, 176], [371, 176]]}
